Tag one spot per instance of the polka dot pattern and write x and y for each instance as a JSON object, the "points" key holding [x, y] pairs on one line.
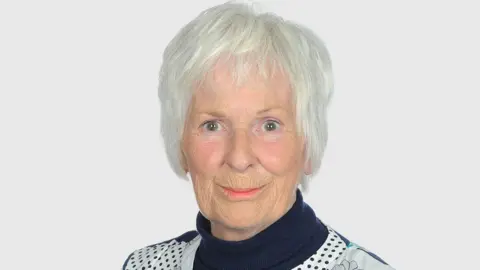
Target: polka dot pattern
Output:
{"points": [[163, 256], [327, 255], [168, 255]]}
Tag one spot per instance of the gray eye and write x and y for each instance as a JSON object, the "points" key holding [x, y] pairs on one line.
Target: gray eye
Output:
{"points": [[211, 126], [270, 125]]}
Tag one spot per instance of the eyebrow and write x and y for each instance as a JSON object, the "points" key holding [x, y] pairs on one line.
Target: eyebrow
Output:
{"points": [[215, 114], [220, 114], [270, 109]]}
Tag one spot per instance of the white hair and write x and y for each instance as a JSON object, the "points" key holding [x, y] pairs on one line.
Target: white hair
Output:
{"points": [[250, 38]]}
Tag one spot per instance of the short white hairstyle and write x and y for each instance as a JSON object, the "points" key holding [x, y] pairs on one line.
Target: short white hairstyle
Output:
{"points": [[251, 39]]}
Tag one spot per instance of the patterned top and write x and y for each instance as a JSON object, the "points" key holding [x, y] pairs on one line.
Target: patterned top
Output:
{"points": [[335, 254], [297, 241]]}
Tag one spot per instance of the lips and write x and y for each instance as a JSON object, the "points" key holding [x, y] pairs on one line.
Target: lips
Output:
{"points": [[241, 189], [241, 194]]}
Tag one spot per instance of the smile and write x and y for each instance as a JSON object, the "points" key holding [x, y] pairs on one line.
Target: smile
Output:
{"points": [[241, 193]]}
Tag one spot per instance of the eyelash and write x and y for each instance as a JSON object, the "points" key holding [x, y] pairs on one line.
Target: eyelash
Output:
{"points": [[271, 121], [204, 124], [218, 122]]}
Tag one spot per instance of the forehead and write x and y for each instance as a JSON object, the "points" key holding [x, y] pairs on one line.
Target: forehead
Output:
{"points": [[225, 86]]}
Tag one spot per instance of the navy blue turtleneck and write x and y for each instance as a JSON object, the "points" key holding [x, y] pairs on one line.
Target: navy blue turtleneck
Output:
{"points": [[286, 243]]}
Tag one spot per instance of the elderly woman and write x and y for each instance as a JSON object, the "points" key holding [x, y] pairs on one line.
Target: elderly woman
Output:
{"points": [[244, 99]]}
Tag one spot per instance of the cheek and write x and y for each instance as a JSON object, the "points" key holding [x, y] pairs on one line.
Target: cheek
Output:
{"points": [[204, 155], [278, 157], [204, 161]]}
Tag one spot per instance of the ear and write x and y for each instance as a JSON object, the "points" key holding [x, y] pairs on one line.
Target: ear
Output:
{"points": [[184, 163], [183, 159], [307, 169]]}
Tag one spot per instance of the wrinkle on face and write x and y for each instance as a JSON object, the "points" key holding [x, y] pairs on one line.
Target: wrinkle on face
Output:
{"points": [[241, 153]]}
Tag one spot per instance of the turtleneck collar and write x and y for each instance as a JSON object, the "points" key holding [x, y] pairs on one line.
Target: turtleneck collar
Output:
{"points": [[286, 243]]}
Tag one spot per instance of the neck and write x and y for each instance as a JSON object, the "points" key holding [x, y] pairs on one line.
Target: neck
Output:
{"points": [[233, 234]]}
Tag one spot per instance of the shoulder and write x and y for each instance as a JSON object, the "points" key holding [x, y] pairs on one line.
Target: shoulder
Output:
{"points": [[339, 253], [167, 253], [358, 257]]}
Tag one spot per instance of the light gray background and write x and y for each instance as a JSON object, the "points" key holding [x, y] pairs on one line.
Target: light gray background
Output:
{"points": [[85, 181]]}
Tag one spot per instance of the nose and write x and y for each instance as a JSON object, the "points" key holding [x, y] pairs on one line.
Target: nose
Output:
{"points": [[240, 156]]}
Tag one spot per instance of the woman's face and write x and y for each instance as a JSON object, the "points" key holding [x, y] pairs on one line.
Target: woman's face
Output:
{"points": [[238, 139]]}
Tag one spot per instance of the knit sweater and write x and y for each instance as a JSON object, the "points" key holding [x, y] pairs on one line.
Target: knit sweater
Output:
{"points": [[297, 241]]}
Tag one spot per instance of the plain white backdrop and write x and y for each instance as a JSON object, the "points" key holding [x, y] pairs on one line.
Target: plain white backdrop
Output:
{"points": [[84, 177]]}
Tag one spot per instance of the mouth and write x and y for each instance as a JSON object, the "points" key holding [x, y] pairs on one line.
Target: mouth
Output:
{"points": [[242, 193], [241, 190]]}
